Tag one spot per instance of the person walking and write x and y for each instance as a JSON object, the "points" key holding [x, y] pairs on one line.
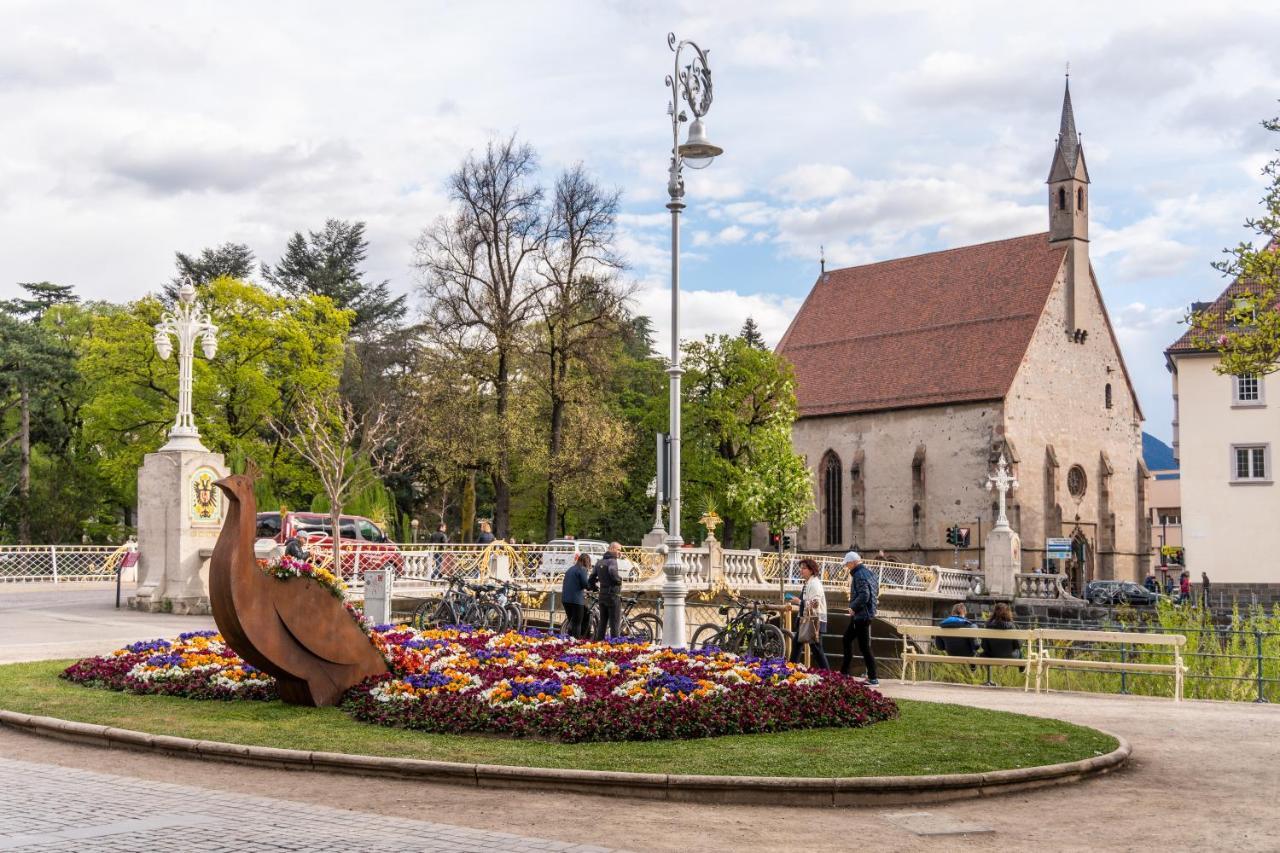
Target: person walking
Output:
{"points": [[1204, 589], [440, 537], [1149, 583], [486, 533], [813, 607], [573, 595], [864, 591], [1184, 588], [606, 578]]}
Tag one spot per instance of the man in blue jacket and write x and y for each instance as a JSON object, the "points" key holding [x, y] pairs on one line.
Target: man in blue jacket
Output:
{"points": [[965, 647], [573, 595], [864, 593]]}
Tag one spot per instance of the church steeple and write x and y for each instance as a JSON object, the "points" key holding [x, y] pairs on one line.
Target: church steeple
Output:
{"points": [[1069, 216]]}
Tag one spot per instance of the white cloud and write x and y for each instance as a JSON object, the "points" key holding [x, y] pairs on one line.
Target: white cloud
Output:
{"points": [[707, 312], [772, 50]]}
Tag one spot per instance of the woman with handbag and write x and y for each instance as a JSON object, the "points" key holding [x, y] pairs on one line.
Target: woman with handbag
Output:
{"points": [[813, 616]]}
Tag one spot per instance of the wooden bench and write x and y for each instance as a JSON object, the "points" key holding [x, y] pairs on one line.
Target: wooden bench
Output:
{"points": [[1047, 659], [911, 656]]}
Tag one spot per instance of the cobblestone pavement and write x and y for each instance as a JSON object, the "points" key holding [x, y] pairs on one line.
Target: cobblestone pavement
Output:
{"points": [[45, 807]]}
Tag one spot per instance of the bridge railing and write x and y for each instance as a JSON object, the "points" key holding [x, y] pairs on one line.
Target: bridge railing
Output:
{"points": [[60, 563]]}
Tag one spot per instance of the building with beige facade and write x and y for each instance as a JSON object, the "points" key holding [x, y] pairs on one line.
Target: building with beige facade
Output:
{"points": [[1225, 431], [914, 375]]}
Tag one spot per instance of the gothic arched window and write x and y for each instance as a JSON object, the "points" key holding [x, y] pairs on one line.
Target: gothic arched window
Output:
{"points": [[1080, 198], [832, 493], [1062, 199], [1108, 395]]}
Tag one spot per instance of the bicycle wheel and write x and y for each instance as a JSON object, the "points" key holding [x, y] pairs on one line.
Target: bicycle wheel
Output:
{"points": [[433, 614], [708, 635], [768, 641], [645, 627], [487, 616], [514, 617]]}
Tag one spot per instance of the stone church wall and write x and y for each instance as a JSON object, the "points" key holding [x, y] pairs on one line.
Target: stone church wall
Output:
{"points": [[933, 458], [1059, 400]]}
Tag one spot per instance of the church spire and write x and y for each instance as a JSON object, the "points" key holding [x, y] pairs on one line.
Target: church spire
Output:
{"points": [[1068, 139], [1069, 218]]}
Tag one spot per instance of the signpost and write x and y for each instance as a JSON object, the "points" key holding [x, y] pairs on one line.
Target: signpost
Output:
{"points": [[1057, 548]]}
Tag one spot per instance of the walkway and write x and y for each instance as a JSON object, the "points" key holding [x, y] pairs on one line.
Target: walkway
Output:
{"points": [[117, 814]]}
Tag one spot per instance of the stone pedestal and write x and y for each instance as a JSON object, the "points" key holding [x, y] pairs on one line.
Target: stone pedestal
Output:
{"points": [[654, 538], [179, 515], [1003, 560]]}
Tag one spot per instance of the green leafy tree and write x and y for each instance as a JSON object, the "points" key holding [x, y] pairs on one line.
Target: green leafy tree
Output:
{"points": [[272, 352], [1245, 327], [739, 405], [777, 486], [230, 260]]}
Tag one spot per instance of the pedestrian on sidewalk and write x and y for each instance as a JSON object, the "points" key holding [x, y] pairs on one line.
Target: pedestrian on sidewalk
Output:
{"points": [[440, 537], [813, 608], [1204, 589], [1184, 588], [606, 578], [864, 592], [573, 595]]}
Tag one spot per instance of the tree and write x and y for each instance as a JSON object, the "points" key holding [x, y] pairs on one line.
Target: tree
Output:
{"points": [[347, 449], [1245, 328], [34, 367], [776, 486], [272, 352], [230, 260], [481, 285], [751, 334], [328, 263], [739, 405], [578, 312]]}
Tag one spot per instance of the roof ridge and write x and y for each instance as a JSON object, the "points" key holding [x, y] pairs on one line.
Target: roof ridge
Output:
{"points": [[1044, 234], [916, 330]]}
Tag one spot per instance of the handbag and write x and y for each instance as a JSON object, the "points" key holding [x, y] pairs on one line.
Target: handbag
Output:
{"points": [[808, 631]]}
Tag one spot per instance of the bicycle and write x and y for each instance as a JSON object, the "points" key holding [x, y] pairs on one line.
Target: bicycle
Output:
{"points": [[508, 598], [644, 626], [748, 631], [462, 604]]}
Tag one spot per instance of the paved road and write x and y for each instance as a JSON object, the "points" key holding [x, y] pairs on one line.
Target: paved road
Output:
{"points": [[50, 808], [43, 621]]}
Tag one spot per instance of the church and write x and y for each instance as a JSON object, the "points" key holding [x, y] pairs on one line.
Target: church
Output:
{"points": [[914, 375]]}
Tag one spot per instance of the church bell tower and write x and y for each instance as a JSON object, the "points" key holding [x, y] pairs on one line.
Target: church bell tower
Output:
{"points": [[1069, 215]]}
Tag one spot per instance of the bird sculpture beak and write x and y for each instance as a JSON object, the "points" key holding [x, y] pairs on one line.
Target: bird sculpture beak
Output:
{"points": [[226, 485]]}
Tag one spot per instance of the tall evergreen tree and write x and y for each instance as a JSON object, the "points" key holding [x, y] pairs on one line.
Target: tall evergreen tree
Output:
{"points": [[751, 334], [328, 263], [232, 260]]}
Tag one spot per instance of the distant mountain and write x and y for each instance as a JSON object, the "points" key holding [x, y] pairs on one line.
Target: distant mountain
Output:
{"points": [[1157, 454]]}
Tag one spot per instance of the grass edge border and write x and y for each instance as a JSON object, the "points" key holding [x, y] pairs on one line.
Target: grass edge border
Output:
{"points": [[754, 790]]}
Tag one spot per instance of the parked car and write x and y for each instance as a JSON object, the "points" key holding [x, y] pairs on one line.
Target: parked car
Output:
{"points": [[559, 554], [1119, 592], [371, 549]]}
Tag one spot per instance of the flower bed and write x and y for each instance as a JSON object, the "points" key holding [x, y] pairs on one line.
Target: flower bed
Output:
{"points": [[527, 685]]}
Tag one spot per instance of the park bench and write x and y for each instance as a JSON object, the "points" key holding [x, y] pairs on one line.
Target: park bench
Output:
{"points": [[1049, 658], [911, 656]]}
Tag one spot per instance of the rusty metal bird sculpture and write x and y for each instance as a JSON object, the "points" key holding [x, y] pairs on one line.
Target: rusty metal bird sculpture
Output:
{"points": [[294, 630]]}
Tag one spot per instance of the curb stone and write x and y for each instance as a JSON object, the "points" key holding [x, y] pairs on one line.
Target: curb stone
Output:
{"points": [[754, 790]]}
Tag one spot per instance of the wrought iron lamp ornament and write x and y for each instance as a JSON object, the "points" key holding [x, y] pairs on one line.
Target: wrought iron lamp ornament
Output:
{"points": [[690, 85], [186, 322]]}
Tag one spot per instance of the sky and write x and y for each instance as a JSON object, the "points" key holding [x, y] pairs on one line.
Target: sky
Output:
{"points": [[872, 130]]}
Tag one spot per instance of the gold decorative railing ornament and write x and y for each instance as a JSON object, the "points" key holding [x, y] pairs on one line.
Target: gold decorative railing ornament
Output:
{"points": [[718, 587]]}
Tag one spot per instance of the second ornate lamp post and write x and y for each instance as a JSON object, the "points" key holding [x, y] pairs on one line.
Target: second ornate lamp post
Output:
{"points": [[690, 85], [185, 322]]}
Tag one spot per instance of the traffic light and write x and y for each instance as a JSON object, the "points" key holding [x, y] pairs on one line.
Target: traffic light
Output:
{"points": [[786, 542], [775, 539], [953, 534]]}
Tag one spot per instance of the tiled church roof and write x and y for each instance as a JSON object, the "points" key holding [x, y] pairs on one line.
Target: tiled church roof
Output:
{"points": [[946, 327]]}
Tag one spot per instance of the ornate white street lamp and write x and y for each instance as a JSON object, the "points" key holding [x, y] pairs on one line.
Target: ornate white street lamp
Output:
{"points": [[690, 83], [1001, 482], [185, 322]]}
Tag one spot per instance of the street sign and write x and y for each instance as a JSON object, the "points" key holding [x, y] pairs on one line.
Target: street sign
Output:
{"points": [[1057, 543]]}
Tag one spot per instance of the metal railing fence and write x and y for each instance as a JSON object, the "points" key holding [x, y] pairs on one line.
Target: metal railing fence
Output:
{"points": [[60, 563]]}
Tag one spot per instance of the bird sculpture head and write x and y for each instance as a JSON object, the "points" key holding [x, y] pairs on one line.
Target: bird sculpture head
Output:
{"points": [[237, 486]]}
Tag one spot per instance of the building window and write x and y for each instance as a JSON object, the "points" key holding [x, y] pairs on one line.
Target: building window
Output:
{"points": [[1246, 390], [1077, 482], [1169, 516], [1107, 394], [1062, 199], [1080, 198], [1251, 463], [832, 493]]}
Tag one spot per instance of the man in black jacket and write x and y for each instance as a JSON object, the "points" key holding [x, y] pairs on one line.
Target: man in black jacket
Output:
{"points": [[606, 578]]}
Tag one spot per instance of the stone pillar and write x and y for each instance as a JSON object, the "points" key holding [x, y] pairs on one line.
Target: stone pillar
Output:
{"points": [[1003, 560], [179, 515]]}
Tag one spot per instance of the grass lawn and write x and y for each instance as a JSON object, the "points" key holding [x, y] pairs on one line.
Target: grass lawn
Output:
{"points": [[927, 738]]}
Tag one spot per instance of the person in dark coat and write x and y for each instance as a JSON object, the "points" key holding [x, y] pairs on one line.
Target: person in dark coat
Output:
{"points": [[958, 646], [296, 546], [440, 537], [995, 647], [607, 578], [864, 594], [1204, 588], [486, 534], [573, 594]]}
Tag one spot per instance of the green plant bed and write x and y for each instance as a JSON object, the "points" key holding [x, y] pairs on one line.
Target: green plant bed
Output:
{"points": [[926, 738]]}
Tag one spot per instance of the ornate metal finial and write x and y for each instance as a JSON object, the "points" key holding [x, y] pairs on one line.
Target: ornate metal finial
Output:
{"points": [[822, 259], [1068, 70], [689, 83]]}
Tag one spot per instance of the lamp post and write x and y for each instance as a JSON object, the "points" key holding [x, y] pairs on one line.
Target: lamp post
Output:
{"points": [[690, 83], [185, 322]]}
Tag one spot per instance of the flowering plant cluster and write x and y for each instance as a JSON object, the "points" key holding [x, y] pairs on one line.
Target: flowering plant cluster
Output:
{"points": [[528, 684], [285, 567], [525, 684], [197, 665]]}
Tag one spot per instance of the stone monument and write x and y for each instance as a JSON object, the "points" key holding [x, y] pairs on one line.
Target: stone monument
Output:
{"points": [[179, 509], [1003, 547]]}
